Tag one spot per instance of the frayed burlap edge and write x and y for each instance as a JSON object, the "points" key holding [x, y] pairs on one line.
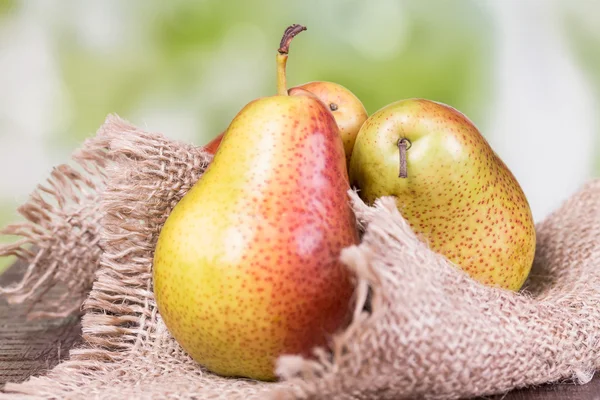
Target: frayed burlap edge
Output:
{"points": [[67, 205]]}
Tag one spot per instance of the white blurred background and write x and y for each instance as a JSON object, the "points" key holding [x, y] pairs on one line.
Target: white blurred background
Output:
{"points": [[526, 72]]}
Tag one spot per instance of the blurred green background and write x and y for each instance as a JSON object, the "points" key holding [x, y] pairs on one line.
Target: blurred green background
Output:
{"points": [[526, 72]]}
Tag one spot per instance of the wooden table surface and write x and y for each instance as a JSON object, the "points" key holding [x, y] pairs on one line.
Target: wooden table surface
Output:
{"points": [[30, 348]]}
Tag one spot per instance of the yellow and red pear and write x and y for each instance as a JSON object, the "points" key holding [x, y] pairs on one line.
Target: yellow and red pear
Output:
{"points": [[247, 264], [348, 110], [451, 187]]}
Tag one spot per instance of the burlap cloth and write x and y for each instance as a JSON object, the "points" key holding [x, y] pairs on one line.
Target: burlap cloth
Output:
{"points": [[431, 331]]}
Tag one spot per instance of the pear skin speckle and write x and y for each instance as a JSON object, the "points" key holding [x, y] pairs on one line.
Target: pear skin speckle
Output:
{"points": [[459, 196], [247, 264]]}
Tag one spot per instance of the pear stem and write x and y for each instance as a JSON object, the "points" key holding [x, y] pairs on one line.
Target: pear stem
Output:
{"points": [[403, 145], [281, 78], [282, 56]]}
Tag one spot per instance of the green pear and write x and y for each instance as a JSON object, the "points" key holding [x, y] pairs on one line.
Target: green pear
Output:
{"points": [[451, 187], [247, 264]]}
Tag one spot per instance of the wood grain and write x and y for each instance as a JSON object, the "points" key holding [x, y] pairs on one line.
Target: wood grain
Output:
{"points": [[29, 348]]}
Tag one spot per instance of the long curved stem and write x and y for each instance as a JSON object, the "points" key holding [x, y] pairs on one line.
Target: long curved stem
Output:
{"points": [[282, 56]]}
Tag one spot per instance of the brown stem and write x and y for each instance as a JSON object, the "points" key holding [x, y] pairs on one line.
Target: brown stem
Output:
{"points": [[288, 35], [403, 145], [282, 57]]}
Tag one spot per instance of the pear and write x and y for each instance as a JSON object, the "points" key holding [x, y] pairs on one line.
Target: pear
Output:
{"points": [[246, 266], [452, 188], [212, 146], [347, 109]]}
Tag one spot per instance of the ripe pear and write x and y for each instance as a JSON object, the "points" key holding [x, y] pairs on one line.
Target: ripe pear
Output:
{"points": [[347, 109], [452, 188], [247, 267]]}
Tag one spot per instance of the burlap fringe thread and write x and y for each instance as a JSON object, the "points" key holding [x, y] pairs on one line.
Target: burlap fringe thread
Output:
{"points": [[433, 332]]}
